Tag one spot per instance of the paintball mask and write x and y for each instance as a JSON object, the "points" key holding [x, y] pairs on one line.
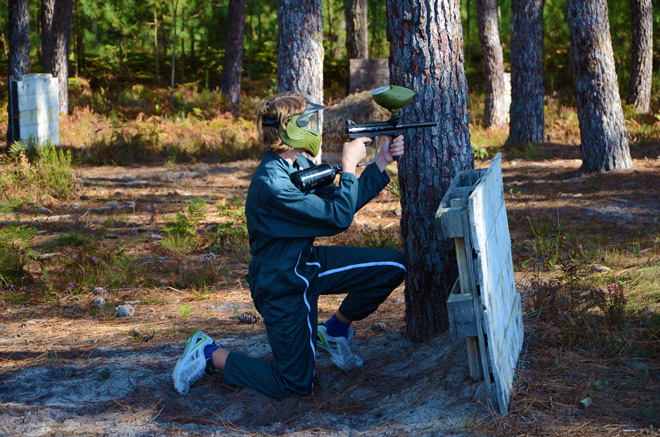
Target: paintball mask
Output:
{"points": [[303, 131]]}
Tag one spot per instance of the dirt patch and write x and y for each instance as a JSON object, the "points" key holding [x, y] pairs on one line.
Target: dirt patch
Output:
{"points": [[68, 369]]}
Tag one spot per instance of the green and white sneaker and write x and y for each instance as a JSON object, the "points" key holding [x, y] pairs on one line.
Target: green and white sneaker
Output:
{"points": [[193, 364], [338, 348]]}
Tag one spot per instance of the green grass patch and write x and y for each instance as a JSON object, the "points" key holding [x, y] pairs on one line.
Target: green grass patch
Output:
{"points": [[33, 174], [15, 254]]}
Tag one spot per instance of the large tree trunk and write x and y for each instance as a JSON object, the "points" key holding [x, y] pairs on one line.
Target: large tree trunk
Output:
{"points": [[426, 55], [489, 35], [300, 49], [56, 21], [19, 52], [527, 120], [641, 61], [602, 129], [233, 64]]}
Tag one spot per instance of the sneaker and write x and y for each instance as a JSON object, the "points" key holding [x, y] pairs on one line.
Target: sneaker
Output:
{"points": [[193, 364], [338, 348]]}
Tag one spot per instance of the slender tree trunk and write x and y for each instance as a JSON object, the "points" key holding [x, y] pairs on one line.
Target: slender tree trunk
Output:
{"points": [[57, 18], [191, 58], [175, 6], [426, 55], [47, 42], [250, 47], [300, 49], [183, 60], [357, 37], [602, 129], [233, 63], [467, 24], [156, 51], [121, 52], [184, 20], [19, 53], [331, 35], [76, 40], [641, 60], [489, 35], [527, 119]]}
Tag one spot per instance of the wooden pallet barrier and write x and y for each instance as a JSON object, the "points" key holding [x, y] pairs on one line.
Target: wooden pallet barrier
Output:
{"points": [[484, 307]]}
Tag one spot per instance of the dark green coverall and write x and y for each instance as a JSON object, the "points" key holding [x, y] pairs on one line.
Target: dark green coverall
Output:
{"points": [[288, 273]]}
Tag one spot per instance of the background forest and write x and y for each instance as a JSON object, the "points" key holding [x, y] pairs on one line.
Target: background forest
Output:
{"points": [[142, 204], [115, 44]]}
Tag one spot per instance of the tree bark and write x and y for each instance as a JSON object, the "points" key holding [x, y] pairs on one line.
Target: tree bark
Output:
{"points": [[426, 55], [300, 49], [641, 60], [233, 63], [57, 18], [489, 35], [175, 5], [19, 52], [602, 128], [527, 119], [357, 37]]}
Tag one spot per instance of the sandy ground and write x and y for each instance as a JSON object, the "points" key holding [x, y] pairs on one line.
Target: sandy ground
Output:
{"points": [[67, 370]]}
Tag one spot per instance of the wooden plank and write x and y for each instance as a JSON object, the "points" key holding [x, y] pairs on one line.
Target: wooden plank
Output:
{"points": [[502, 313], [462, 320]]}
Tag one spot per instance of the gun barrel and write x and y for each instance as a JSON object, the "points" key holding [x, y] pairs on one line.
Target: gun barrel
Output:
{"points": [[382, 128]]}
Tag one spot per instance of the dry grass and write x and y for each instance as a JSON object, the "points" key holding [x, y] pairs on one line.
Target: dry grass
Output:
{"points": [[610, 216]]}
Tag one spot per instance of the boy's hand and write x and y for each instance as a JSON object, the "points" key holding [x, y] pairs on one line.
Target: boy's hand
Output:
{"points": [[354, 152], [389, 149]]}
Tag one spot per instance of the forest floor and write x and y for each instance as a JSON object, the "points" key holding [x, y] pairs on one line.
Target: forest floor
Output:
{"points": [[69, 368]]}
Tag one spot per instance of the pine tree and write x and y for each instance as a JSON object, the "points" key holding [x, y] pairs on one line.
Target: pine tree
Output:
{"points": [[426, 55], [233, 64], [300, 49], [19, 50], [494, 111], [357, 37], [56, 21], [602, 129], [527, 122], [641, 60]]}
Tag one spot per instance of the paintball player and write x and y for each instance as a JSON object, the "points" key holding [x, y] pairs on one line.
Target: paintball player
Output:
{"points": [[288, 272]]}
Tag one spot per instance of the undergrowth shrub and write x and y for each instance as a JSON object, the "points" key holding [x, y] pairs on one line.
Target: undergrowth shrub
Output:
{"points": [[381, 237], [585, 312], [100, 265], [182, 235], [552, 244], [15, 254], [35, 173], [179, 139], [198, 276], [231, 235]]}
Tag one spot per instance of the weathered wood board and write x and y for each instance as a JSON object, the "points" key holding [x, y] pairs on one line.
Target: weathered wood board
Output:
{"points": [[473, 212], [37, 109], [502, 316]]}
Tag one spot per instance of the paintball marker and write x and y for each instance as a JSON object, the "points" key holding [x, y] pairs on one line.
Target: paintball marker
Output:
{"points": [[390, 97]]}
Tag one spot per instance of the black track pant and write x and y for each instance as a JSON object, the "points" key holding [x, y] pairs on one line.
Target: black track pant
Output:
{"points": [[367, 275]]}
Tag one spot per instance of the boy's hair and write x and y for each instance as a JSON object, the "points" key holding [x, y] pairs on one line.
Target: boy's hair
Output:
{"points": [[279, 107]]}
